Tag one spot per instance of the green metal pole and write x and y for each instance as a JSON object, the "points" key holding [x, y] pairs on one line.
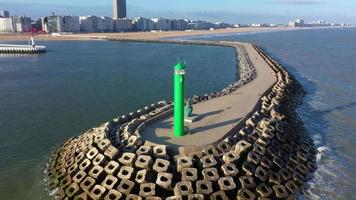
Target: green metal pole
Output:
{"points": [[179, 74]]}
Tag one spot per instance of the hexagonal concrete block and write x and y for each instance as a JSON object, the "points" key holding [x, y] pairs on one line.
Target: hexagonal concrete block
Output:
{"points": [[87, 184], [261, 174], [99, 159], [160, 152], [210, 150], [264, 190]]}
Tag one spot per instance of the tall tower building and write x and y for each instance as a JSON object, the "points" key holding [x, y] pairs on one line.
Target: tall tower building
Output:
{"points": [[119, 7]]}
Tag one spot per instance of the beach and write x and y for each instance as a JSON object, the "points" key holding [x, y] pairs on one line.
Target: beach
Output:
{"points": [[136, 35]]}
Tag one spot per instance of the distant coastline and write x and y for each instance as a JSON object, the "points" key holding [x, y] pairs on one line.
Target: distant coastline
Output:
{"points": [[145, 35]]}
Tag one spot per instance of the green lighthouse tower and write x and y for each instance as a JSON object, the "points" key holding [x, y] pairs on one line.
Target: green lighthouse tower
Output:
{"points": [[179, 74]]}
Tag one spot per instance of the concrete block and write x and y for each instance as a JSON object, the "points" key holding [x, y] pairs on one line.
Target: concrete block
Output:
{"points": [[247, 182], [261, 150], [274, 178], [66, 181], [73, 169], [134, 140], [127, 159], [113, 195], [99, 159], [144, 150], [125, 172], [264, 190], [164, 180], [220, 195], [133, 197], [103, 144], [125, 186], [230, 157], [204, 187], [210, 174], [248, 168], [210, 150], [144, 162], [245, 194], [109, 182], [229, 169], [242, 147], [147, 189], [292, 187], [183, 188], [142, 176], [161, 165], [153, 198], [96, 172], [189, 174], [266, 162], [80, 157], [223, 146], [261, 174], [79, 176], [174, 198], [97, 192], [278, 162], [87, 184], [72, 190], [92, 153], [226, 183], [208, 161], [280, 191], [285, 175], [111, 168], [111, 152], [183, 162], [160, 152], [82, 196]]}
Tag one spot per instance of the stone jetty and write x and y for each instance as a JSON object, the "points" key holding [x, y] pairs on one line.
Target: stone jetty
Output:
{"points": [[266, 155], [21, 49]]}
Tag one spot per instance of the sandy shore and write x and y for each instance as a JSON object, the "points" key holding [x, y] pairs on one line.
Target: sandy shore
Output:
{"points": [[136, 35]]}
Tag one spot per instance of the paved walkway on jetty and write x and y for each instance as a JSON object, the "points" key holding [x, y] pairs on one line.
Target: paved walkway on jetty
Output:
{"points": [[217, 116]]}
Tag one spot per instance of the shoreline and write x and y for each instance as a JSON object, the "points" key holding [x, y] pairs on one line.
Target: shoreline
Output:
{"points": [[270, 155], [148, 35]]}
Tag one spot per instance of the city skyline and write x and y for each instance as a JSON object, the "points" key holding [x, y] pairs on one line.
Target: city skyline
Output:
{"points": [[261, 11]]}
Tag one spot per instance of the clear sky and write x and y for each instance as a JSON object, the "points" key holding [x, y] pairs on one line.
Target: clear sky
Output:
{"points": [[233, 11]]}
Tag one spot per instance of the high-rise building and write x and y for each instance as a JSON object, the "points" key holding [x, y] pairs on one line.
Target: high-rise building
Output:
{"points": [[4, 14], [119, 8]]}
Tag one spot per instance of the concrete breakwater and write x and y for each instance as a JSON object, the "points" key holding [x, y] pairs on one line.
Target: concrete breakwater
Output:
{"points": [[269, 157], [21, 49]]}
